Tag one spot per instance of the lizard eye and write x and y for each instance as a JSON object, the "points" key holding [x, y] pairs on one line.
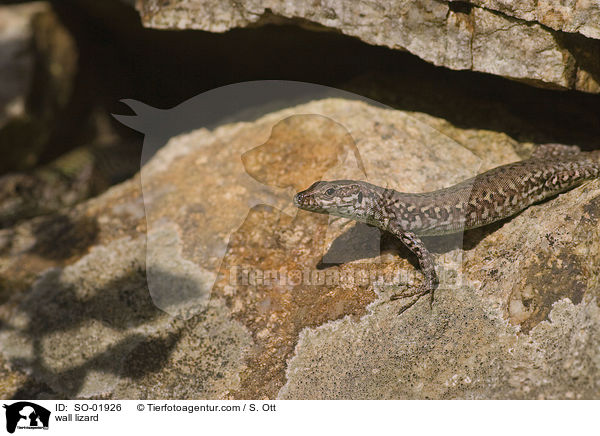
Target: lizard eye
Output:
{"points": [[330, 191]]}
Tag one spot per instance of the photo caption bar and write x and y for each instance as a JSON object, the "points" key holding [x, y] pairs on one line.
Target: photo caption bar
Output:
{"points": [[266, 417]]}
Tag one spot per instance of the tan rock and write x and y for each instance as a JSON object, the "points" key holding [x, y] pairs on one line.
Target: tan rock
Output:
{"points": [[16, 62], [575, 16], [454, 34], [218, 291], [38, 64]]}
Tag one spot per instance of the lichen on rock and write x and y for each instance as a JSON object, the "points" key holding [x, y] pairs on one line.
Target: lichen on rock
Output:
{"points": [[286, 304]]}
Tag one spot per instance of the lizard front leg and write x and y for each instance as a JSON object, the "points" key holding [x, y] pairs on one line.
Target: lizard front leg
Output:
{"points": [[416, 246]]}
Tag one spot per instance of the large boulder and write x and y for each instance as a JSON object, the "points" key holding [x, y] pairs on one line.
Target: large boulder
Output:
{"points": [[203, 281], [38, 67], [550, 44]]}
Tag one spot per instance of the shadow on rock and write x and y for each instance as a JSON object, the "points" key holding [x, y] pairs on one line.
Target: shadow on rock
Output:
{"points": [[60, 237], [77, 333], [133, 357], [362, 241]]}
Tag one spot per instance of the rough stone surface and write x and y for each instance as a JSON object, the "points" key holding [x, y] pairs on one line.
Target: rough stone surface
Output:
{"points": [[569, 16], [16, 61], [456, 35], [38, 64], [75, 176], [213, 241]]}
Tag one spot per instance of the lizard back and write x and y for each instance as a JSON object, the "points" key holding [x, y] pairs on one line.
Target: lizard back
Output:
{"points": [[488, 197]]}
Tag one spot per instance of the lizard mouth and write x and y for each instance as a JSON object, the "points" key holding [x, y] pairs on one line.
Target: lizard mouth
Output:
{"points": [[297, 200], [305, 201], [302, 201]]}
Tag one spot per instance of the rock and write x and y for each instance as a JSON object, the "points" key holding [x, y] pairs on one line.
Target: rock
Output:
{"points": [[574, 17], [38, 68], [223, 290], [82, 173], [58, 147], [521, 112], [10, 380], [457, 35], [78, 175], [16, 63]]}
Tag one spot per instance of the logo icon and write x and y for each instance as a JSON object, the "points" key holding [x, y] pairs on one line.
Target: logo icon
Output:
{"points": [[26, 415]]}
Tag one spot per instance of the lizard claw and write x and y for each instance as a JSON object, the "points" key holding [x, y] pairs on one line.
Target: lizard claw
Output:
{"points": [[428, 287]]}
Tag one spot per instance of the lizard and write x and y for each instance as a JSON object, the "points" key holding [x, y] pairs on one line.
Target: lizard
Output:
{"points": [[488, 197]]}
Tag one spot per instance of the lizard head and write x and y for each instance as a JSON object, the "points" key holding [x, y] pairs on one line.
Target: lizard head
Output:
{"points": [[345, 198]]}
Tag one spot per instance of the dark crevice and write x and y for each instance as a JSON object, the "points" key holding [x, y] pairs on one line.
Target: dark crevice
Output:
{"points": [[461, 7], [164, 68]]}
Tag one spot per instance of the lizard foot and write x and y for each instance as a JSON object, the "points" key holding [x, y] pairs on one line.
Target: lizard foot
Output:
{"points": [[429, 287], [408, 294], [412, 296]]}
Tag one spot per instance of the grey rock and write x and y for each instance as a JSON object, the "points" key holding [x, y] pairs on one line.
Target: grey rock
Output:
{"points": [[251, 315], [75, 176], [16, 60], [33, 40], [473, 38], [570, 16]]}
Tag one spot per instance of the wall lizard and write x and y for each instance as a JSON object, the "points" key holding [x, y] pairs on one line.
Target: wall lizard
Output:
{"points": [[486, 198]]}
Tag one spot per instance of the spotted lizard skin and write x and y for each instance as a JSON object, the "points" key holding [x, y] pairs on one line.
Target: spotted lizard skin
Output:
{"points": [[486, 198]]}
